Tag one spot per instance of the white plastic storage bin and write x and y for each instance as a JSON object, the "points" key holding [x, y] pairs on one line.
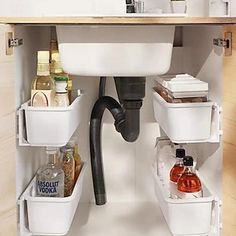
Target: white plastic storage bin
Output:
{"points": [[48, 126], [185, 216], [51, 216], [183, 122]]}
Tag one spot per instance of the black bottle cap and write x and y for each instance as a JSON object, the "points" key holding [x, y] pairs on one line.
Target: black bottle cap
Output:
{"points": [[188, 161], [180, 153]]}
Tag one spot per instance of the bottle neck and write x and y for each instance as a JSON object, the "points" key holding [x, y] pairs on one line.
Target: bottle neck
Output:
{"points": [[43, 69], [188, 169], [179, 161], [52, 159], [56, 67], [76, 149]]}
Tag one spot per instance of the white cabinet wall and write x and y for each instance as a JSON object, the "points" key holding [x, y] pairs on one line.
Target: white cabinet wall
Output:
{"points": [[7, 140]]}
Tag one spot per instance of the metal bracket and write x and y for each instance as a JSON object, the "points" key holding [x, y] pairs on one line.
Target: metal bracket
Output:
{"points": [[15, 42], [220, 42], [226, 43], [11, 42]]}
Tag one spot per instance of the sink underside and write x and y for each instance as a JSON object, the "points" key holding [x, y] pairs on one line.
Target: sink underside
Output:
{"points": [[115, 50]]}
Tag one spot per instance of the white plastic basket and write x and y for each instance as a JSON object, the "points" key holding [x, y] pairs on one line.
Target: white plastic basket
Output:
{"points": [[185, 216], [183, 122], [48, 126], [51, 216]]}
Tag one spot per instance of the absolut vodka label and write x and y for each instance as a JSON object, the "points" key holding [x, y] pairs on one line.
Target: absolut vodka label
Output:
{"points": [[48, 188]]}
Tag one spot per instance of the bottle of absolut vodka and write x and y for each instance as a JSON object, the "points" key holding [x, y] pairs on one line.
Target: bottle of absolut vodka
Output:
{"points": [[50, 178]]}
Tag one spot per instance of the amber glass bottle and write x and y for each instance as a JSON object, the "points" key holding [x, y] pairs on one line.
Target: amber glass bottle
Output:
{"points": [[178, 168], [189, 184]]}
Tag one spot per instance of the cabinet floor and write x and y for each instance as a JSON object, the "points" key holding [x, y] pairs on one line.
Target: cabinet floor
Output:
{"points": [[116, 219]]}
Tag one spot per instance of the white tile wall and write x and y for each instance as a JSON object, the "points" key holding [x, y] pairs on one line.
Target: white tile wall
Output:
{"points": [[61, 7], [76, 7], [71, 7], [233, 8]]}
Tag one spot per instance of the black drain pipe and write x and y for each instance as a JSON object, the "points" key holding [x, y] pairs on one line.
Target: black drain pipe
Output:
{"points": [[95, 142], [130, 93]]}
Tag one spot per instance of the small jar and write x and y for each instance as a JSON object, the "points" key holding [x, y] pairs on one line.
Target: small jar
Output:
{"points": [[68, 166], [61, 97]]}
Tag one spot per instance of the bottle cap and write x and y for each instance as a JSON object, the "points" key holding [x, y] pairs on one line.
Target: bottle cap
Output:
{"points": [[67, 148], [61, 84], [43, 56], [51, 150], [180, 153], [56, 57], [188, 161], [61, 78], [53, 45]]}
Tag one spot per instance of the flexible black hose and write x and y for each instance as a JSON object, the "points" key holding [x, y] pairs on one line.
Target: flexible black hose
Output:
{"points": [[95, 142], [102, 86], [127, 118]]}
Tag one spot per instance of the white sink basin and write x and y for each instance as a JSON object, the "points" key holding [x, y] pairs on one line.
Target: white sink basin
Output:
{"points": [[115, 50]]}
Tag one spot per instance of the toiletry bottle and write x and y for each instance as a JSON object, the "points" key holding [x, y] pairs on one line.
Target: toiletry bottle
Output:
{"points": [[43, 87], [61, 97], [189, 184], [178, 167], [175, 172]]}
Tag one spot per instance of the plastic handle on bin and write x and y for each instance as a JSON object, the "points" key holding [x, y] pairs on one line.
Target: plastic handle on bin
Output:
{"points": [[21, 217], [217, 222], [216, 121], [21, 128], [158, 139]]}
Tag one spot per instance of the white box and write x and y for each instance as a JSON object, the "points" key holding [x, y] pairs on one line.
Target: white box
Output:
{"points": [[183, 122], [50, 126], [185, 216], [52, 216]]}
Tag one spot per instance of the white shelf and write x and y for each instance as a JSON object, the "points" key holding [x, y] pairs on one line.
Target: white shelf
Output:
{"points": [[186, 216], [48, 215], [188, 122], [48, 126]]}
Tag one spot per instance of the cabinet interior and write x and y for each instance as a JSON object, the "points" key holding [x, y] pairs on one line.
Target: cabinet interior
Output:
{"points": [[132, 208]]}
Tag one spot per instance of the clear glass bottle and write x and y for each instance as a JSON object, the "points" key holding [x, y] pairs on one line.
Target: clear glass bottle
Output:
{"points": [[61, 97], [189, 184], [56, 67], [68, 166], [43, 87], [50, 178], [178, 168]]}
